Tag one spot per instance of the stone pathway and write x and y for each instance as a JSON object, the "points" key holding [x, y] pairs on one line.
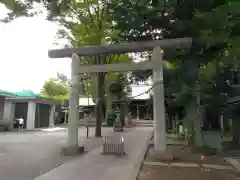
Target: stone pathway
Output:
{"points": [[94, 166], [234, 162]]}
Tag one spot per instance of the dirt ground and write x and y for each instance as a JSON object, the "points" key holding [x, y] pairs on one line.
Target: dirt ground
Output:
{"points": [[180, 152], [177, 173], [184, 155]]}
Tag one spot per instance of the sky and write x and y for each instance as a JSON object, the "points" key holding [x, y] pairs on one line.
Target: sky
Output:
{"points": [[24, 62]]}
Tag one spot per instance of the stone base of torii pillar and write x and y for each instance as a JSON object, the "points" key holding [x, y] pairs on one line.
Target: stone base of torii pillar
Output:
{"points": [[70, 151]]}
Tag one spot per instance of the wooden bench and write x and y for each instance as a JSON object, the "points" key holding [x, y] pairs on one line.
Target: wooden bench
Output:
{"points": [[113, 145]]}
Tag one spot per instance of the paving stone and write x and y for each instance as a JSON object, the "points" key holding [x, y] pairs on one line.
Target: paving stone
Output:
{"points": [[94, 166]]}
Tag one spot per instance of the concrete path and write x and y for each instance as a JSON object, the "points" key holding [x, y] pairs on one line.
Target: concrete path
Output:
{"points": [[94, 166], [27, 155]]}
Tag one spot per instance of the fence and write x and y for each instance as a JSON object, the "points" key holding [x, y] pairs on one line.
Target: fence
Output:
{"points": [[113, 145]]}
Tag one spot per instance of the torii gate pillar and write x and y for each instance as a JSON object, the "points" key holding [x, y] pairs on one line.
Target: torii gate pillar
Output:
{"points": [[158, 101], [72, 145]]}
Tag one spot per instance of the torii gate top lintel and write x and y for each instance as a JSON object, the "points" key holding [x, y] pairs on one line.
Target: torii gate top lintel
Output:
{"points": [[127, 47]]}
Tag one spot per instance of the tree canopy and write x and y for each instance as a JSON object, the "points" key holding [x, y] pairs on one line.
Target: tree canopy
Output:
{"points": [[56, 88]]}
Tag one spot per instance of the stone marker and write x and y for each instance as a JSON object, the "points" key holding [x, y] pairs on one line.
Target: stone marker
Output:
{"points": [[118, 125], [128, 122]]}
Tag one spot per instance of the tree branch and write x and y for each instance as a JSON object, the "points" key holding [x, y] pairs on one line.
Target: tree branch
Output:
{"points": [[89, 13]]}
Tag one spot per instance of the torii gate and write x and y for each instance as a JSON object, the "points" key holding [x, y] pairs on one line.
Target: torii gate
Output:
{"points": [[156, 64]]}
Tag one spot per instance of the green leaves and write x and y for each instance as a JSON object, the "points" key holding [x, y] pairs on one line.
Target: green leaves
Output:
{"points": [[56, 88], [85, 23], [221, 25], [16, 9]]}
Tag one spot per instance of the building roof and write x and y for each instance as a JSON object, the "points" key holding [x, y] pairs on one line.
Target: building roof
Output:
{"points": [[6, 93], [28, 94], [23, 96]]}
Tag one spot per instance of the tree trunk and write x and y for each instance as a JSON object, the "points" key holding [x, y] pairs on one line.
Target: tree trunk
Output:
{"points": [[198, 136], [194, 122], [168, 121], [191, 66], [108, 105], [235, 132], [99, 103]]}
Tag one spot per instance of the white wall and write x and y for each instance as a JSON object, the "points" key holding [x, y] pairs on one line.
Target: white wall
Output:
{"points": [[2, 102], [52, 115], [9, 111]]}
